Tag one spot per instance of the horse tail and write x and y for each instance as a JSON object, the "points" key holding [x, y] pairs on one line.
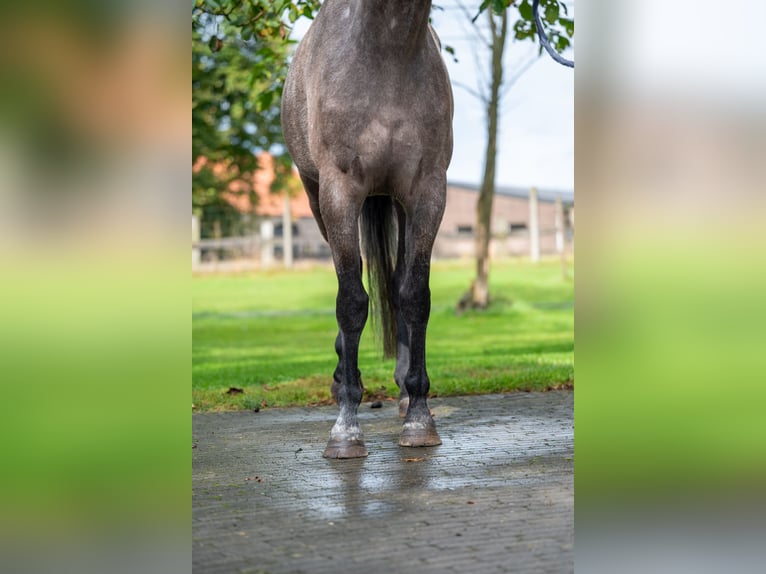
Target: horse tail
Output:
{"points": [[379, 244]]}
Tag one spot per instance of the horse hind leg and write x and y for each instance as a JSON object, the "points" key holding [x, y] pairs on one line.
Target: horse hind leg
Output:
{"points": [[403, 339], [419, 428], [346, 439]]}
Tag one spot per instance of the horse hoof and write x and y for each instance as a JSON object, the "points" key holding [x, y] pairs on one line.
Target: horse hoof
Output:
{"points": [[404, 404], [345, 449], [426, 436]]}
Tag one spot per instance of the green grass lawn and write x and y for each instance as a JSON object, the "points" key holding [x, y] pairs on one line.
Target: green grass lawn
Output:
{"points": [[272, 334]]}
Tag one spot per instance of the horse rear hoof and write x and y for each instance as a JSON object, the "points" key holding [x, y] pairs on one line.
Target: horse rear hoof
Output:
{"points": [[345, 449], [420, 437]]}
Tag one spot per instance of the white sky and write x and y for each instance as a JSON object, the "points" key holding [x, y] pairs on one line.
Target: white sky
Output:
{"points": [[536, 139], [691, 49]]}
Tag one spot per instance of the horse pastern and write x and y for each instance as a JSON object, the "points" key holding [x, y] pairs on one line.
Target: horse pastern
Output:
{"points": [[349, 434]]}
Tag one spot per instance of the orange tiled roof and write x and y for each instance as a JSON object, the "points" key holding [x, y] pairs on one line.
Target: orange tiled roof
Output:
{"points": [[269, 204]]}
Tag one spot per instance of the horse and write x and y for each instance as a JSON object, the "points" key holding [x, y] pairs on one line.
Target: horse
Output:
{"points": [[367, 118]]}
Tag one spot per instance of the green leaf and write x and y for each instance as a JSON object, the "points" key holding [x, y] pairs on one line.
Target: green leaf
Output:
{"points": [[525, 10], [552, 12], [483, 6], [264, 100], [498, 6], [451, 51], [568, 26]]}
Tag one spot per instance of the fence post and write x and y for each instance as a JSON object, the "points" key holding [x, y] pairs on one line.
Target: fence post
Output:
{"points": [[287, 233], [195, 242], [267, 243], [534, 227], [559, 215], [571, 227]]}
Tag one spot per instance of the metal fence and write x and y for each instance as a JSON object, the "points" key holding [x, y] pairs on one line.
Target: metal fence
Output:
{"points": [[266, 248]]}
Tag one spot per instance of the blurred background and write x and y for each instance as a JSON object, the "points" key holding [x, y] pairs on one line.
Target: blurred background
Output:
{"points": [[670, 433], [95, 324], [94, 313]]}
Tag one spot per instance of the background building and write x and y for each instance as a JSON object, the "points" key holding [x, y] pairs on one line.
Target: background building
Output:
{"points": [[261, 224]]}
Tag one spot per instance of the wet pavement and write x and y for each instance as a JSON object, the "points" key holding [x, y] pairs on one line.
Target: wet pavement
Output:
{"points": [[496, 496]]}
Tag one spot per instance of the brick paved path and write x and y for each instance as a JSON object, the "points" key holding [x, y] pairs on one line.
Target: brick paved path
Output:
{"points": [[497, 496]]}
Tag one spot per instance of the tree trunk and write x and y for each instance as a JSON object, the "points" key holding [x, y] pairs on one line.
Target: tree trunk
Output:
{"points": [[477, 297]]}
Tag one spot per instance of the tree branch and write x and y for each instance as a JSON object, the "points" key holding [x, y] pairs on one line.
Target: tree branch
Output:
{"points": [[474, 28], [516, 75], [478, 95]]}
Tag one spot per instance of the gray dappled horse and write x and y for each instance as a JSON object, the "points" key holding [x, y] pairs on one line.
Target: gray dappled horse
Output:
{"points": [[367, 117]]}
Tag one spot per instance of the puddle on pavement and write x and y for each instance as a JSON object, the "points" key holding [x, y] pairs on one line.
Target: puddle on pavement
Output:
{"points": [[483, 455]]}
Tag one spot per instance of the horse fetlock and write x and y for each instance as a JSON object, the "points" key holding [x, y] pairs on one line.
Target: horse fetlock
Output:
{"points": [[418, 414], [416, 387], [343, 432], [348, 393]]}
